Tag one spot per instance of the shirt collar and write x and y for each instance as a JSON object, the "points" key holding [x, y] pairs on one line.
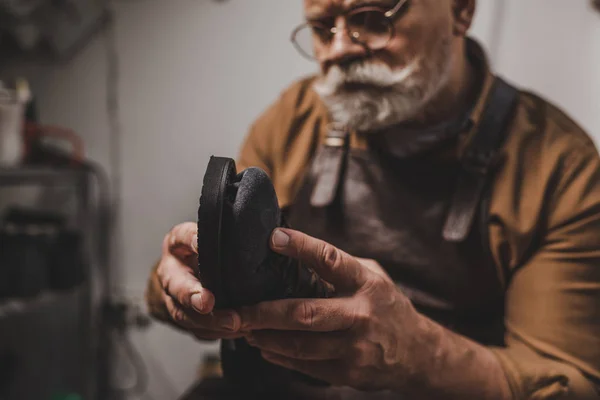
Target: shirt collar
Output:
{"points": [[479, 58]]}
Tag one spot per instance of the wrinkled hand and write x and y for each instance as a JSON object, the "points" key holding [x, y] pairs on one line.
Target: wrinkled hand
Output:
{"points": [[189, 304], [362, 338]]}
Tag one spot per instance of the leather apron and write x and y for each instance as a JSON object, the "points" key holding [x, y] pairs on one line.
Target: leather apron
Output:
{"points": [[393, 211], [374, 205]]}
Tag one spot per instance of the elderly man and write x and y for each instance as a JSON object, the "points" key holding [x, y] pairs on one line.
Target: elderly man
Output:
{"points": [[463, 226]]}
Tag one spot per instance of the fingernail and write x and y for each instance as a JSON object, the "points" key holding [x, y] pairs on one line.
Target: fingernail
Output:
{"points": [[195, 243], [229, 322], [197, 302], [280, 238]]}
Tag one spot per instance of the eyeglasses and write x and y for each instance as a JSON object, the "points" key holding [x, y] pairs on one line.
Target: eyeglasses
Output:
{"points": [[368, 26]]}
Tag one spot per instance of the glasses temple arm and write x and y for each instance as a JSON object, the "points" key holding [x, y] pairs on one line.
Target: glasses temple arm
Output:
{"points": [[397, 7]]}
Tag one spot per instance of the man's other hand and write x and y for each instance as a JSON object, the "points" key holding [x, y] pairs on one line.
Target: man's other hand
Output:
{"points": [[364, 338], [188, 303]]}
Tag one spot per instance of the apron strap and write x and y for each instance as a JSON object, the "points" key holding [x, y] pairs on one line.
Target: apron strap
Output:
{"points": [[329, 164], [478, 160]]}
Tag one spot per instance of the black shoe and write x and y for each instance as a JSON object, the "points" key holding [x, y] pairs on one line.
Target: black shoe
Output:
{"points": [[237, 214]]}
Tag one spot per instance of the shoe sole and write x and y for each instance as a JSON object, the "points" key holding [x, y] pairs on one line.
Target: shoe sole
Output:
{"points": [[220, 173]]}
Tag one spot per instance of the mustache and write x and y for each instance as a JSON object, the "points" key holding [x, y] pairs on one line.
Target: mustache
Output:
{"points": [[366, 73]]}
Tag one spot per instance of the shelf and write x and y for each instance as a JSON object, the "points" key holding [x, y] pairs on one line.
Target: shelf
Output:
{"points": [[80, 307], [37, 175], [11, 307]]}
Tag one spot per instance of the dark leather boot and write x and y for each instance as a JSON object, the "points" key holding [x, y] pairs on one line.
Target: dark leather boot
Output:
{"points": [[236, 217]]}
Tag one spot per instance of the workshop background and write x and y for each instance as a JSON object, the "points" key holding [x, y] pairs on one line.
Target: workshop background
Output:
{"points": [[165, 84]]}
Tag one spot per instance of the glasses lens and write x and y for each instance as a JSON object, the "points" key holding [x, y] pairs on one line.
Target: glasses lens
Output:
{"points": [[370, 28], [309, 38]]}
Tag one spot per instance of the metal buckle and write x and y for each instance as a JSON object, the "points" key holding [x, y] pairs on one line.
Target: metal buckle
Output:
{"points": [[334, 141]]}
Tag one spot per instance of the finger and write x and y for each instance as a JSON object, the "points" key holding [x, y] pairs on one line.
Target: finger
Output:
{"points": [[301, 345], [332, 264], [222, 320], [322, 370], [319, 315], [204, 334], [179, 282], [182, 240]]}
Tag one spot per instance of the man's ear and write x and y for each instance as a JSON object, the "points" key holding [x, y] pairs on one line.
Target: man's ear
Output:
{"points": [[463, 12]]}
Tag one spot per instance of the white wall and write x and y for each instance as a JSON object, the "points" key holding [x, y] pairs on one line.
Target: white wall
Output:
{"points": [[194, 74], [553, 48]]}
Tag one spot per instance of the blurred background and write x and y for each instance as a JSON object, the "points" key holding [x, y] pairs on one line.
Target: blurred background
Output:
{"points": [[123, 103]]}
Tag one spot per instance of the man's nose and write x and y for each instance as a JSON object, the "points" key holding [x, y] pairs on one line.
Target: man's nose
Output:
{"points": [[342, 48]]}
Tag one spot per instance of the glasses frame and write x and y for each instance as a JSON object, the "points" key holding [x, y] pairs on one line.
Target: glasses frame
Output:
{"points": [[390, 15]]}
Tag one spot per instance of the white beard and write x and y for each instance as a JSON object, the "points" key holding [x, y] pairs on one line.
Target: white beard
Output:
{"points": [[388, 97]]}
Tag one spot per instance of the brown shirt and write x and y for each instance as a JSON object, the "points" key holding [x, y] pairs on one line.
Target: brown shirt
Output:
{"points": [[544, 231]]}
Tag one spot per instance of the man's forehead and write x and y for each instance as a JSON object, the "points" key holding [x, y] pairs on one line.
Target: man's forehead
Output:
{"points": [[316, 7]]}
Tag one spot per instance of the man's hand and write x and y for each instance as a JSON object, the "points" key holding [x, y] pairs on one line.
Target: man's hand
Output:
{"points": [[188, 303], [362, 338]]}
